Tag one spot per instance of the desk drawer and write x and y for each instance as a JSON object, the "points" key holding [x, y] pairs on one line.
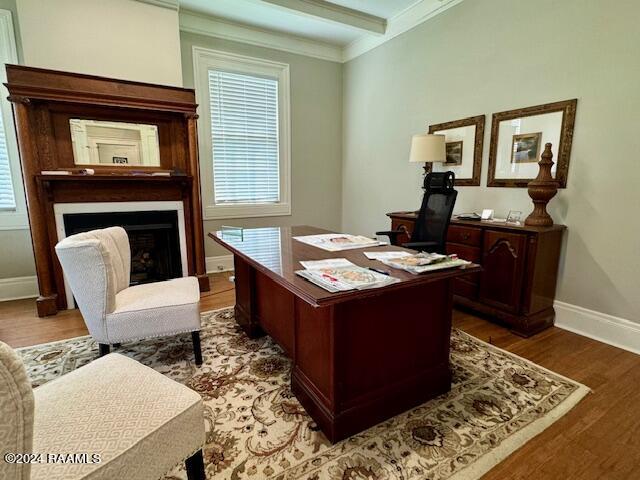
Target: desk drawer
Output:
{"points": [[465, 252], [465, 235]]}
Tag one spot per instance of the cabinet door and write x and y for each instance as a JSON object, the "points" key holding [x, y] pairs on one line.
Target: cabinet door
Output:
{"points": [[503, 263]]}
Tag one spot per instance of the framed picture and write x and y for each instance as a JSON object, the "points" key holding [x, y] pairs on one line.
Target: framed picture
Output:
{"points": [[463, 140], [514, 217], [454, 153], [518, 138], [526, 148]]}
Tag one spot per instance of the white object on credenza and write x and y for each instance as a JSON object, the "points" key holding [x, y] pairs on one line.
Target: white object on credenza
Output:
{"points": [[487, 214]]}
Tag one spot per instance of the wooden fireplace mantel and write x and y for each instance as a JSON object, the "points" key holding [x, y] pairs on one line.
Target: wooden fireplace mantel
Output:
{"points": [[113, 188], [43, 102]]}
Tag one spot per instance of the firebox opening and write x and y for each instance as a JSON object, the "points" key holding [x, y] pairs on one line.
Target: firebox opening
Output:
{"points": [[153, 236]]}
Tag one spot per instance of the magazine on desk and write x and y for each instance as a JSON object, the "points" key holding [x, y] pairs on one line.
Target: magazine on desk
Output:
{"points": [[336, 242], [387, 255], [424, 262], [340, 275]]}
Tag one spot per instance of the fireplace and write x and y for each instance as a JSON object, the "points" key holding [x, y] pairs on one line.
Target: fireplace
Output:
{"points": [[155, 230], [44, 104], [153, 236]]}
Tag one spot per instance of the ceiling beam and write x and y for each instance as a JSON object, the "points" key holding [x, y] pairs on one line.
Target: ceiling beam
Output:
{"points": [[405, 20], [200, 24], [334, 13]]}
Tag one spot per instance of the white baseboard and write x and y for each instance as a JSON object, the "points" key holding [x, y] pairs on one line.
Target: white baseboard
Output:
{"points": [[616, 331], [18, 287], [27, 287], [222, 263]]}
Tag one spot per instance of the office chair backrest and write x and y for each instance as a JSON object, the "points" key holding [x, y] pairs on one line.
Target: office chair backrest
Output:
{"points": [[435, 213]]}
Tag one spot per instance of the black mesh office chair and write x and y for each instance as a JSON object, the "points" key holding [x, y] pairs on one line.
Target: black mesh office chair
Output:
{"points": [[430, 231]]}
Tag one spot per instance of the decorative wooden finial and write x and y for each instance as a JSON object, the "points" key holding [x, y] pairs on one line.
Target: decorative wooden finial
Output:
{"points": [[542, 189]]}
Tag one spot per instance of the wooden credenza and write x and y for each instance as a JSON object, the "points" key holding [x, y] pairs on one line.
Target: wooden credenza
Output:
{"points": [[520, 267]]}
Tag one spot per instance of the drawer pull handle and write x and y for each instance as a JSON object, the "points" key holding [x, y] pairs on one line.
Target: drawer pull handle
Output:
{"points": [[465, 236]]}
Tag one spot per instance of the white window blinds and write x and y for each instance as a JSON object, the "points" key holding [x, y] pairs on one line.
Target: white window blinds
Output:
{"points": [[244, 136], [7, 197]]}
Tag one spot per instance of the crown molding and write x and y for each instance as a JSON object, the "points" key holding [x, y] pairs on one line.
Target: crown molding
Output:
{"points": [[215, 27], [409, 18], [170, 4], [404, 21], [323, 10]]}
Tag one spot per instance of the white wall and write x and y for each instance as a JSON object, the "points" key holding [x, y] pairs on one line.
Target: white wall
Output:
{"points": [[481, 57], [122, 39]]}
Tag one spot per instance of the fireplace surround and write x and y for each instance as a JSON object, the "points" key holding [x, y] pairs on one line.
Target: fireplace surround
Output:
{"points": [[156, 233], [44, 101]]}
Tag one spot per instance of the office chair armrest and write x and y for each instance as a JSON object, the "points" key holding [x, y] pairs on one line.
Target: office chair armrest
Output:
{"points": [[392, 234], [420, 245]]}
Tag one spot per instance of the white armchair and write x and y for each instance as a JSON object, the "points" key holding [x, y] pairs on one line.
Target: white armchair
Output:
{"points": [[97, 266], [140, 423]]}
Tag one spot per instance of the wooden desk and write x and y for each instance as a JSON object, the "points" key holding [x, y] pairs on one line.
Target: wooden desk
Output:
{"points": [[359, 357], [517, 284]]}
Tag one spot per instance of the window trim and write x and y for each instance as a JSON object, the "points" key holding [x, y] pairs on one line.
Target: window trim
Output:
{"points": [[205, 59], [16, 219]]}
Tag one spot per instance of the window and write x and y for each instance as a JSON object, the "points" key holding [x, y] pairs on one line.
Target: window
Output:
{"points": [[13, 212], [7, 197], [244, 135]]}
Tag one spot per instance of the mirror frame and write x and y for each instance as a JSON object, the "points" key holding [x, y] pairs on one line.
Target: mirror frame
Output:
{"points": [[478, 121], [568, 109]]}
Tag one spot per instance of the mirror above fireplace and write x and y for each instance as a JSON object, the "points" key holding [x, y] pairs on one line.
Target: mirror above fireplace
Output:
{"points": [[114, 144]]}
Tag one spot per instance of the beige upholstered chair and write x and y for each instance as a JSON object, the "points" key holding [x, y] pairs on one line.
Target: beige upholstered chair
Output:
{"points": [[97, 265], [140, 423]]}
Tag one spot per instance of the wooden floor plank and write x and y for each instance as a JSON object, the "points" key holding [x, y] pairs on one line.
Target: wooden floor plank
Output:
{"points": [[599, 439]]}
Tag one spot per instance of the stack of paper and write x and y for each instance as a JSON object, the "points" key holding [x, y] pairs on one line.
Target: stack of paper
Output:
{"points": [[336, 242], [387, 255], [424, 262], [340, 275]]}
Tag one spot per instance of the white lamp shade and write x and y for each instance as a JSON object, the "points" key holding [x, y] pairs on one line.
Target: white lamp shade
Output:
{"points": [[427, 148]]}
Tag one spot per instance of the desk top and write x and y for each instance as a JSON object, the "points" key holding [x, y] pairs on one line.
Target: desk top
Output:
{"points": [[275, 253]]}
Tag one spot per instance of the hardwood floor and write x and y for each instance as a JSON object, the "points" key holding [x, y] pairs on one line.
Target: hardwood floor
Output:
{"points": [[596, 440], [20, 325]]}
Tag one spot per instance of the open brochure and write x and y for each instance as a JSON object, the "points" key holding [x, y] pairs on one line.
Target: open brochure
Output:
{"points": [[424, 262], [340, 275], [336, 242]]}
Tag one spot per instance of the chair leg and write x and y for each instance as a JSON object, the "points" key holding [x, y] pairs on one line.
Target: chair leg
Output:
{"points": [[104, 349], [197, 350], [195, 465]]}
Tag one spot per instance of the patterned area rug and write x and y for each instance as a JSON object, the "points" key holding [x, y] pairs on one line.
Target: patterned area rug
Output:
{"points": [[256, 429]]}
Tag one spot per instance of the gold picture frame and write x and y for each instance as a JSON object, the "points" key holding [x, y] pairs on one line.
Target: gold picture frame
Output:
{"points": [[562, 131], [478, 139]]}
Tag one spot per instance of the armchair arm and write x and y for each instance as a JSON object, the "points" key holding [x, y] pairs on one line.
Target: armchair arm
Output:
{"points": [[423, 246], [392, 234]]}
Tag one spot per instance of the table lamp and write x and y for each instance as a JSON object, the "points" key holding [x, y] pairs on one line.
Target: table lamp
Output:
{"points": [[427, 148]]}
